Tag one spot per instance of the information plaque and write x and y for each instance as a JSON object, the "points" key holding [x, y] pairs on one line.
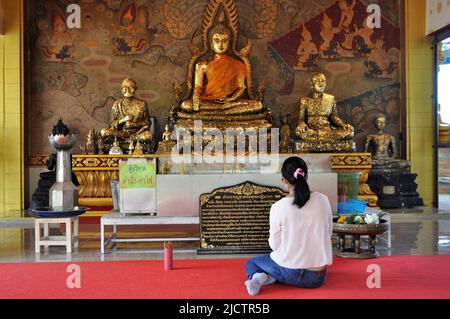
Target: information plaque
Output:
{"points": [[235, 219]]}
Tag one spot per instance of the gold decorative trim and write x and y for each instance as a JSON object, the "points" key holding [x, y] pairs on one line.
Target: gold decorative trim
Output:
{"points": [[246, 189], [351, 161], [85, 162], [37, 161]]}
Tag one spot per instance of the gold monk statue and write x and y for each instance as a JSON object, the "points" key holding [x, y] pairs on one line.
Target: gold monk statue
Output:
{"points": [[320, 128], [381, 145], [130, 118], [219, 86]]}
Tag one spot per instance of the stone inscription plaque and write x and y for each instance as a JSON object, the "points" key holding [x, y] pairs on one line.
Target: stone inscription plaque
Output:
{"points": [[235, 219]]}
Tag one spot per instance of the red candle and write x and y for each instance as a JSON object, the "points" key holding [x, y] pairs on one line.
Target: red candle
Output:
{"points": [[168, 256]]}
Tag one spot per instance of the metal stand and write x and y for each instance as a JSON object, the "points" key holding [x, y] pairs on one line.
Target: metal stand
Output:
{"points": [[115, 219]]}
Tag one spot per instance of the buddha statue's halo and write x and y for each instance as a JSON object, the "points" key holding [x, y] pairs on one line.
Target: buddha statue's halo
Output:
{"points": [[220, 12]]}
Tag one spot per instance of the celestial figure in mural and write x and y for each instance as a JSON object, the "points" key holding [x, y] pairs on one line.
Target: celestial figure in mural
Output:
{"points": [[320, 128], [57, 45], [130, 118], [362, 43], [128, 46], [131, 34], [380, 64], [328, 48], [347, 14], [308, 54], [128, 15], [219, 78], [381, 145]]}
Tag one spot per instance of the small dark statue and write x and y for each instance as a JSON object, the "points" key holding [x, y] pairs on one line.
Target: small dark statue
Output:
{"points": [[40, 197]]}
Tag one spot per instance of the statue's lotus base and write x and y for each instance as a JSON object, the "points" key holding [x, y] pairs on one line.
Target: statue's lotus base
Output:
{"points": [[325, 147]]}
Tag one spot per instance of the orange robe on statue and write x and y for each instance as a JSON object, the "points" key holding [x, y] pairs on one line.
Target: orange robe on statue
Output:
{"points": [[222, 75]]}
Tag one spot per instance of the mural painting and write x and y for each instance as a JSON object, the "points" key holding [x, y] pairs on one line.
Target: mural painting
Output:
{"points": [[76, 73]]}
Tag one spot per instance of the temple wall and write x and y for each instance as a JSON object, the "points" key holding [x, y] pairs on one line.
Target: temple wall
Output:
{"points": [[419, 102], [76, 73], [11, 111]]}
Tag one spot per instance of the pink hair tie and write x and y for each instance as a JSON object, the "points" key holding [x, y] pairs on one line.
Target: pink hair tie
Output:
{"points": [[299, 171]]}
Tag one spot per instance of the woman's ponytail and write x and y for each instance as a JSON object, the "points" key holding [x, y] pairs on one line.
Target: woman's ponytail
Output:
{"points": [[295, 171]]}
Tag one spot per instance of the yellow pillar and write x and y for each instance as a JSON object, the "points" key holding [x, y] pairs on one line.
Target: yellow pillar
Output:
{"points": [[419, 102], [11, 111]]}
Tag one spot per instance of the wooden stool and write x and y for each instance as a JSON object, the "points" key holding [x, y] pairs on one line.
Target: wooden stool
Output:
{"points": [[68, 240]]}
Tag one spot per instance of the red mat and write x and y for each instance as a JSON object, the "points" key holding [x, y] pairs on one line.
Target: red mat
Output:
{"points": [[416, 276]]}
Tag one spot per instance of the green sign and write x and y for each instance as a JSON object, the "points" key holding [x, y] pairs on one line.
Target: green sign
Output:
{"points": [[137, 175]]}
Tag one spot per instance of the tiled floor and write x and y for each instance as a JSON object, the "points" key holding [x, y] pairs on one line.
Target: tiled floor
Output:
{"points": [[414, 231]]}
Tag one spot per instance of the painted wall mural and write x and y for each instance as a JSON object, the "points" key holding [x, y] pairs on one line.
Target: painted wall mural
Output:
{"points": [[76, 73]]}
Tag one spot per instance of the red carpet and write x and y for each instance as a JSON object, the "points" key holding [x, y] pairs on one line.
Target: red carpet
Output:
{"points": [[401, 277]]}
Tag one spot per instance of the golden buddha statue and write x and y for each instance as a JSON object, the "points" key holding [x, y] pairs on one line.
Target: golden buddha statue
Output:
{"points": [[138, 151], [130, 118], [167, 135], [381, 145], [285, 135], [320, 128], [115, 149], [166, 144], [89, 146], [219, 85]]}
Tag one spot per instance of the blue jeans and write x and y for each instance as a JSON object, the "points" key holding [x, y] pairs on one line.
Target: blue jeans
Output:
{"points": [[301, 278]]}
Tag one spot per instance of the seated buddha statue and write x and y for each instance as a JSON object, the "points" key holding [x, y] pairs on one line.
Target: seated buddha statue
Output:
{"points": [[219, 84], [320, 128], [130, 118]]}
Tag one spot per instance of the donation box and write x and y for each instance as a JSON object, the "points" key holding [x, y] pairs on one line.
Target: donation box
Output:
{"points": [[137, 180]]}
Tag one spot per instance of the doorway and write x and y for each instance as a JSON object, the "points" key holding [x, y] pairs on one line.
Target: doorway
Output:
{"points": [[443, 120]]}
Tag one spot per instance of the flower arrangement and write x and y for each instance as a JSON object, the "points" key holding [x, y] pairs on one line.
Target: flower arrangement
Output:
{"points": [[368, 219]]}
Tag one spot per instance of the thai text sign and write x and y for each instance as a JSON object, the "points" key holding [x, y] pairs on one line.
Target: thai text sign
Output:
{"points": [[137, 180], [137, 175]]}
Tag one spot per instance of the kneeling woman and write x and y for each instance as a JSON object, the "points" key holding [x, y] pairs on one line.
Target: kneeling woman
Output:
{"points": [[300, 236]]}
